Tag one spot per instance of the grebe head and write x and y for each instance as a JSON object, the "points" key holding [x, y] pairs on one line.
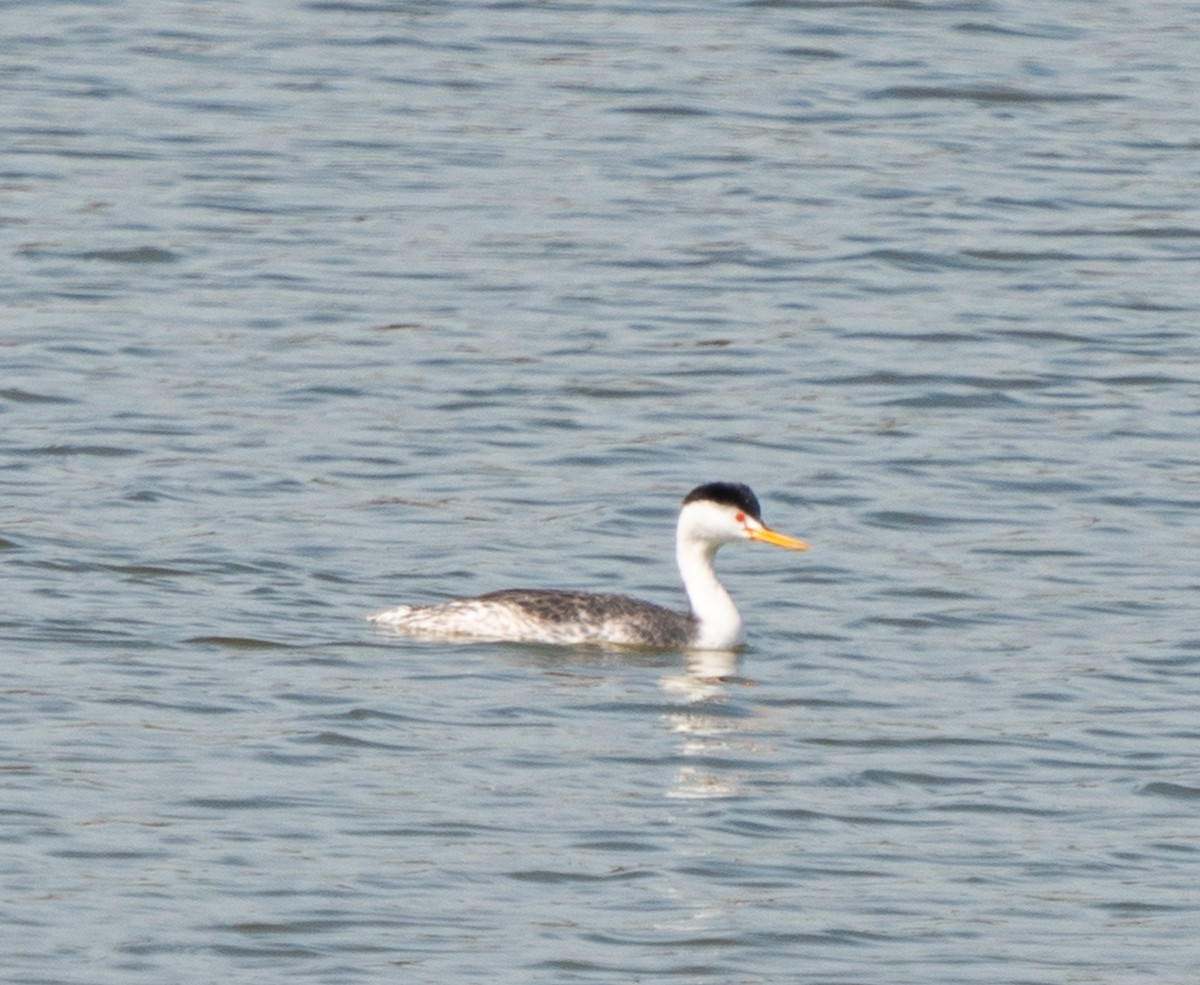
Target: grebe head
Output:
{"points": [[720, 512]]}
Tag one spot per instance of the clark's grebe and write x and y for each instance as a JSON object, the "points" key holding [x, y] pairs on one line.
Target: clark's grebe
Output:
{"points": [[711, 515]]}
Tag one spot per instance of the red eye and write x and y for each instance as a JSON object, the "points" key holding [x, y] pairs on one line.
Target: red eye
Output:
{"points": [[741, 518]]}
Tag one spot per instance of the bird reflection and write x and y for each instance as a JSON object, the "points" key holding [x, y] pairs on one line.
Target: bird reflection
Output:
{"points": [[708, 731]]}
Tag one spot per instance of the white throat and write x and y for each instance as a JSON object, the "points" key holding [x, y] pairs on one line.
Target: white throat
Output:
{"points": [[719, 622]]}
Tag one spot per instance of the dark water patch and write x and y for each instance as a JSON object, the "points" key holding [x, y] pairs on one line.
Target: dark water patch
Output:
{"points": [[572, 966], [457, 83], [897, 378], [884, 742], [1020, 257], [376, 715], [1170, 506], [923, 261], [309, 926], [935, 337], [913, 5], [13, 815], [83, 450], [239, 643], [240, 205], [757, 828], [265, 802], [1029, 552], [1146, 304], [1145, 380], [147, 571], [133, 255], [901, 778], [450, 830], [1040, 487], [1098, 764], [909, 520], [1171, 791], [808, 53], [1140, 909], [105, 855], [1008, 202], [149, 496], [1047, 697], [930, 593], [19, 396], [1043, 335], [617, 846], [1188, 657], [137, 254], [262, 952], [791, 816], [986, 94], [341, 740], [190, 707], [983, 400], [70, 154], [632, 389], [555, 877], [1052, 32], [1133, 232], [320, 395], [997, 808], [919, 622], [81, 633], [663, 110], [401, 326], [306, 699]]}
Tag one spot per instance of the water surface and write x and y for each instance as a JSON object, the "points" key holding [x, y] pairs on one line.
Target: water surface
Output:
{"points": [[310, 308]]}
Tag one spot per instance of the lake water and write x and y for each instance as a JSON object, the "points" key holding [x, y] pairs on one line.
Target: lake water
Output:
{"points": [[310, 308]]}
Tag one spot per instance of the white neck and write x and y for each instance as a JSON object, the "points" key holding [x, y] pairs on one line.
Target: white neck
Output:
{"points": [[720, 623]]}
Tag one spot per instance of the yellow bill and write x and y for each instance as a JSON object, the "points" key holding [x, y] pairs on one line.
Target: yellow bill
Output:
{"points": [[779, 540]]}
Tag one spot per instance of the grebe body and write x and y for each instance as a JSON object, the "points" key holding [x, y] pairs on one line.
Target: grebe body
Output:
{"points": [[711, 515]]}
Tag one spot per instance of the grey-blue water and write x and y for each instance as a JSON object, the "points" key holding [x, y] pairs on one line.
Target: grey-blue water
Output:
{"points": [[314, 307]]}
